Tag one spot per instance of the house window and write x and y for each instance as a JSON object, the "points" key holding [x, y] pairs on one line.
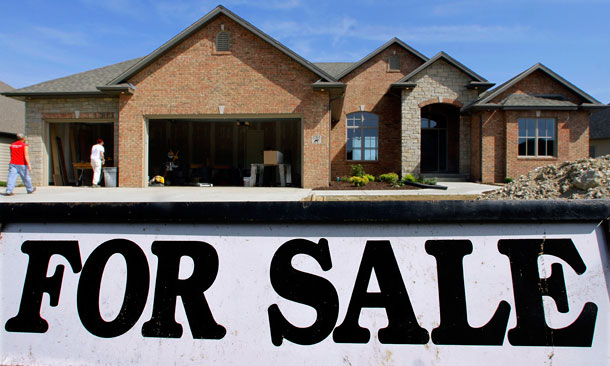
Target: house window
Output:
{"points": [[537, 137], [362, 136], [394, 63], [223, 42]]}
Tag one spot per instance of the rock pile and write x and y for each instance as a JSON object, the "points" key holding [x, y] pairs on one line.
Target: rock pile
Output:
{"points": [[582, 179]]}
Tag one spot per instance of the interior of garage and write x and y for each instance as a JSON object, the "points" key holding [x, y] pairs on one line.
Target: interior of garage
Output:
{"points": [[70, 150], [201, 152]]}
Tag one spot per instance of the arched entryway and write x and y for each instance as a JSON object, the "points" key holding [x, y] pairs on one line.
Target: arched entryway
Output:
{"points": [[440, 151]]}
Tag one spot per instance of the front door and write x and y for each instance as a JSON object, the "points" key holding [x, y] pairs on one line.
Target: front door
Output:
{"points": [[433, 144]]}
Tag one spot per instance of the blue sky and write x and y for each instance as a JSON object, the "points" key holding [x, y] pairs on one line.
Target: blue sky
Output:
{"points": [[42, 40]]}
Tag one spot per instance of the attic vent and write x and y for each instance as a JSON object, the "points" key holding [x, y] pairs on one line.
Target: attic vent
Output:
{"points": [[394, 63], [223, 42]]}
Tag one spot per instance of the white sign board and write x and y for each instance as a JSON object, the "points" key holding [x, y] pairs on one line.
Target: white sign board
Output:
{"points": [[379, 294]]}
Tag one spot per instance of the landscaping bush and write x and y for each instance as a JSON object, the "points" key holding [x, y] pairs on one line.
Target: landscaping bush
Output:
{"points": [[359, 181], [508, 180], [430, 181], [409, 178], [369, 177], [390, 178], [357, 170]]}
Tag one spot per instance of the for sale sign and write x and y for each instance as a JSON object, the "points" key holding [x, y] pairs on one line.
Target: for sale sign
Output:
{"points": [[295, 294]]}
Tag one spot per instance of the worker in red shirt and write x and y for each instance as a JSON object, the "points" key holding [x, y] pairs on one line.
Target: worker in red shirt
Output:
{"points": [[20, 164]]}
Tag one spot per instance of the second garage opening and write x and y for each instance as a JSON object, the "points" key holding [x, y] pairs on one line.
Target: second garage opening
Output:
{"points": [[199, 152]]}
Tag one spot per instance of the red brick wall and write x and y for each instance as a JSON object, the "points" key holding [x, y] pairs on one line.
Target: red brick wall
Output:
{"points": [[369, 86], [475, 147], [493, 149], [572, 140], [193, 80], [501, 144], [500, 132]]}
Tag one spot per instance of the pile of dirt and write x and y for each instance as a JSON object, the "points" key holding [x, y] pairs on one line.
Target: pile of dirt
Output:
{"points": [[582, 179]]}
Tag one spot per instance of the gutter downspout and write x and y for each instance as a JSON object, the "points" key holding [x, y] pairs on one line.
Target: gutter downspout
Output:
{"points": [[330, 124]]}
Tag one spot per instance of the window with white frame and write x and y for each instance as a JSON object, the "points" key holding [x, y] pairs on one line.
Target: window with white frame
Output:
{"points": [[537, 137], [362, 136]]}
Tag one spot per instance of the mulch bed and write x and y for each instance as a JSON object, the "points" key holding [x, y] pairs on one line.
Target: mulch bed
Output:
{"points": [[371, 186]]}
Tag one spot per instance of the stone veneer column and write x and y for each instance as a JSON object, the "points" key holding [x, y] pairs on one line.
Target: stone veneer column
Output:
{"points": [[440, 82], [411, 135]]}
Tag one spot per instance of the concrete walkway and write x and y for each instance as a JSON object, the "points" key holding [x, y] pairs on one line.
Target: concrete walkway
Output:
{"points": [[229, 194]]}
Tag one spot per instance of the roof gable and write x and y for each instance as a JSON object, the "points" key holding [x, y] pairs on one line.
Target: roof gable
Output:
{"points": [[391, 42], [493, 94], [144, 62], [443, 56]]}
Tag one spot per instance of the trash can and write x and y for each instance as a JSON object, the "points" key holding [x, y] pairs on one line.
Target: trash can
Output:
{"points": [[110, 175]]}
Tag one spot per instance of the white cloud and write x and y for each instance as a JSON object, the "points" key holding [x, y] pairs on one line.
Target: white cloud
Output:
{"points": [[346, 27], [133, 8], [70, 38], [30, 47], [473, 33]]}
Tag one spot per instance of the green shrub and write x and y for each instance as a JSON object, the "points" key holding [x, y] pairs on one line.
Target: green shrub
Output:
{"points": [[357, 170], [408, 178], [508, 180], [345, 178], [390, 178], [359, 181], [371, 178], [431, 181]]}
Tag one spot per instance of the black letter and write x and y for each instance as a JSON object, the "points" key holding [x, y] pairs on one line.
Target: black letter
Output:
{"points": [[402, 325], [531, 329], [36, 282], [303, 288], [136, 291], [454, 327], [168, 286]]}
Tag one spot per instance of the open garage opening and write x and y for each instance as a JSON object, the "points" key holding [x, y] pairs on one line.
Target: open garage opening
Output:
{"points": [[201, 152], [69, 148]]}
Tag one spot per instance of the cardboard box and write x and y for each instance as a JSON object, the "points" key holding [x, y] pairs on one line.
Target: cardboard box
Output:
{"points": [[273, 157]]}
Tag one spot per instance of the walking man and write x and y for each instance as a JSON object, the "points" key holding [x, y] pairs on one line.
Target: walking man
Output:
{"points": [[97, 160], [20, 164]]}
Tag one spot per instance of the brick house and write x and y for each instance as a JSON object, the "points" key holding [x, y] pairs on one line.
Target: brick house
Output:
{"points": [[222, 91]]}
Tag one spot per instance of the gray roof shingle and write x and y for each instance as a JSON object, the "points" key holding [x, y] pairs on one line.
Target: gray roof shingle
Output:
{"points": [[334, 69], [84, 82], [526, 100], [12, 112]]}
